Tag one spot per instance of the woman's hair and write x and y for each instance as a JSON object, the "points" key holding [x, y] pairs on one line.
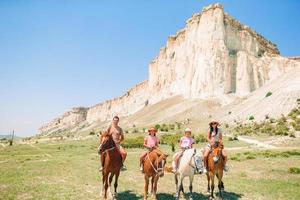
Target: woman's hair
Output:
{"points": [[211, 129]]}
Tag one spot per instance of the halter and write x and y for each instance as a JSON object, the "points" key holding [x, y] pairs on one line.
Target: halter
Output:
{"points": [[190, 163]]}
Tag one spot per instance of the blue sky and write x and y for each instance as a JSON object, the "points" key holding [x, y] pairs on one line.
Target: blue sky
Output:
{"points": [[55, 55]]}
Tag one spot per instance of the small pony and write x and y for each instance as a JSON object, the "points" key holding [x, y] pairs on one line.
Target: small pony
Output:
{"points": [[215, 166], [154, 163], [189, 165], [112, 163]]}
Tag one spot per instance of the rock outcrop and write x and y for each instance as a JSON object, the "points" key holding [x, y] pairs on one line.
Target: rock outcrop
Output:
{"points": [[213, 57]]}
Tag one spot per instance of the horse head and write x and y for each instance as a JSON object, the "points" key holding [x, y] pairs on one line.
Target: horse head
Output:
{"points": [[216, 152], [107, 141], [161, 161]]}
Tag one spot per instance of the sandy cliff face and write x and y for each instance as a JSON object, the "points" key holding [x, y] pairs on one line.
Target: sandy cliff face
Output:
{"points": [[214, 56]]}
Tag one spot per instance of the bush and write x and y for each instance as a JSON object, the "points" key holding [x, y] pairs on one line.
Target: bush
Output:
{"points": [[250, 157], [157, 126], [235, 158], [170, 139], [200, 138], [251, 118], [91, 133], [294, 170], [137, 142], [268, 94]]}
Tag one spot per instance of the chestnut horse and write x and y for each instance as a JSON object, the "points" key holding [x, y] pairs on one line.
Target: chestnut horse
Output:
{"points": [[154, 163], [215, 167], [112, 163]]}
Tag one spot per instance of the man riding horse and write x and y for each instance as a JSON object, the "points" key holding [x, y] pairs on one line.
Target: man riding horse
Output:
{"points": [[118, 136], [214, 138]]}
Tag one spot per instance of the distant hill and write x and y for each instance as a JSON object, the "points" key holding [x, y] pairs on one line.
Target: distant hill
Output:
{"points": [[8, 137]]}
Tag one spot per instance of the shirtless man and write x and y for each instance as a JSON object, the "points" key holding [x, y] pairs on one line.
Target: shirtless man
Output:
{"points": [[118, 136]]}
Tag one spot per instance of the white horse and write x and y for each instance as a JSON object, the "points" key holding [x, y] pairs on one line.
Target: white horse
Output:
{"points": [[189, 165]]}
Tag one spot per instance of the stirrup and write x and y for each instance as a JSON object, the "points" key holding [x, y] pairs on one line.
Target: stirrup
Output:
{"points": [[226, 168]]}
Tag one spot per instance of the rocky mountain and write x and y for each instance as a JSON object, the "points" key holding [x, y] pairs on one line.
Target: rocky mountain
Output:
{"points": [[213, 58]]}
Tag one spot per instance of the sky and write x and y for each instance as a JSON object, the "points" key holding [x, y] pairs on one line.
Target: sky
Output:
{"points": [[55, 55]]}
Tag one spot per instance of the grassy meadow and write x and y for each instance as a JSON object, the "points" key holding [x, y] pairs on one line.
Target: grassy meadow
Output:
{"points": [[69, 170]]}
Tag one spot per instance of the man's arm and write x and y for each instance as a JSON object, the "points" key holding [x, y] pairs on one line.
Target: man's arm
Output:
{"points": [[122, 135]]}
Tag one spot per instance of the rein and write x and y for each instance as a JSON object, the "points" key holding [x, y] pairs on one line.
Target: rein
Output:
{"points": [[112, 148], [156, 170]]}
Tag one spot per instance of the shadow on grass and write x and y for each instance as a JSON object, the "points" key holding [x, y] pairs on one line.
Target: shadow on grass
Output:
{"points": [[128, 195], [199, 196], [232, 195], [196, 196]]}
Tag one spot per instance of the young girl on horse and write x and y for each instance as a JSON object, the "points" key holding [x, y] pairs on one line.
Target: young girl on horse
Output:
{"points": [[150, 142], [186, 142], [214, 137]]}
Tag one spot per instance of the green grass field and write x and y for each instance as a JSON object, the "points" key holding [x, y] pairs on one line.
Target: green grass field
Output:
{"points": [[69, 170]]}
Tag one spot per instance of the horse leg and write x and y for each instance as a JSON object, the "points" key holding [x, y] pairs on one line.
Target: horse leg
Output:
{"points": [[152, 184], [146, 187], [212, 179], [191, 186], [208, 182], [176, 184], [180, 189], [105, 186], [155, 186], [116, 185], [220, 183], [109, 184]]}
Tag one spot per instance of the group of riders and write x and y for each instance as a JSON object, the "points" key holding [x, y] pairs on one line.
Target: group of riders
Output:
{"points": [[151, 142]]}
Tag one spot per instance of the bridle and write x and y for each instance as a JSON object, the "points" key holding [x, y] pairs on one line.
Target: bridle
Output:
{"points": [[193, 158], [111, 148], [158, 169]]}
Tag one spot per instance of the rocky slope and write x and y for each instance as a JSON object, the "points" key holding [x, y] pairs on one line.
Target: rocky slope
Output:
{"points": [[214, 57]]}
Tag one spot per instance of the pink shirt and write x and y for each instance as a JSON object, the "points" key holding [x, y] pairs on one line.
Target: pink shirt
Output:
{"points": [[151, 141], [186, 142]]}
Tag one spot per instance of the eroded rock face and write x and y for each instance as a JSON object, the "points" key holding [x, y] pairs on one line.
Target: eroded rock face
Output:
{"points": [[67, 121], [212, 57]]}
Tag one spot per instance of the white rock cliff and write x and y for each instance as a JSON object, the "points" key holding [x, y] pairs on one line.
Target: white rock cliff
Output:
{"points": [[214, 56]]}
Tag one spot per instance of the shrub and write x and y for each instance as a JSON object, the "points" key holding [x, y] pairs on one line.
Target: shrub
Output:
{"points": [[172, 127], [235, 158], [157, 126], [268, 94], [136, 142], [251, 118], [170, 139], [91, 133], [135, 130], [294, 170], [250, 157], [200, 138]]}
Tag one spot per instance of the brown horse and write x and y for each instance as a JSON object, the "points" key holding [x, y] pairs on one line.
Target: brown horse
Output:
{"points": [[112, 163], [215, 167], [154, 163]]}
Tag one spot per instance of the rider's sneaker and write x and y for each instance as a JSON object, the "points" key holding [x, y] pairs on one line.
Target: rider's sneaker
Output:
{"points": [[123, 168], [226, 168], [204, 170], [142, 169], [100, 169], [174, 170]]}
